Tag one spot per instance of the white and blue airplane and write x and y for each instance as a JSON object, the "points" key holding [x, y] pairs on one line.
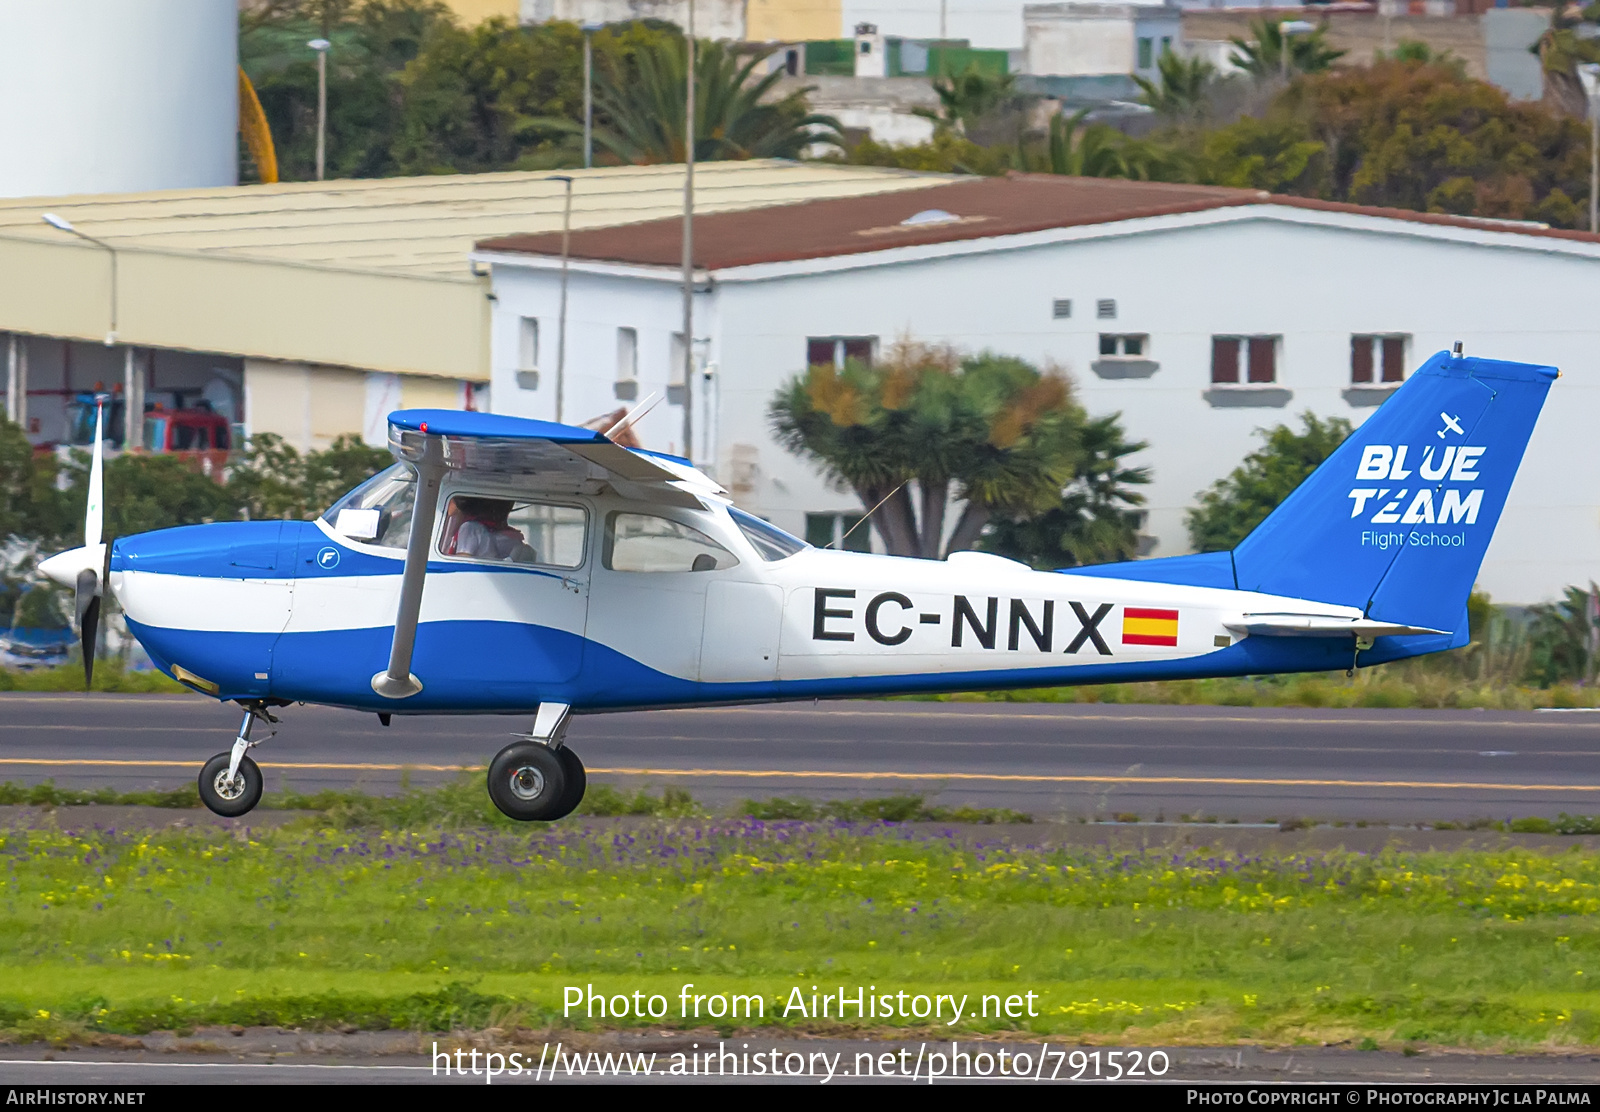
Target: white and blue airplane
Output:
{"points": [[520, 567]]}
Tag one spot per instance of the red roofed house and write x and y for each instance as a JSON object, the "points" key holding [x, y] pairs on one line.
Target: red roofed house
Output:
{"points": [[1202, 314]]}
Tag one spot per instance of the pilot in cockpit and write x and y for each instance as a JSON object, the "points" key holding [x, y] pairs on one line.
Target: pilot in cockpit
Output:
{"points": [[478, 527]]}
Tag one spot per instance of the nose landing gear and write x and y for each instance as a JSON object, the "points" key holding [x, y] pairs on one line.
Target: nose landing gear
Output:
{"points": [[230, 783], [537, 778]]}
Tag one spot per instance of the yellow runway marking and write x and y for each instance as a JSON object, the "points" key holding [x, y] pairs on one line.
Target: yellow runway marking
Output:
{"points": [[785, 774]]}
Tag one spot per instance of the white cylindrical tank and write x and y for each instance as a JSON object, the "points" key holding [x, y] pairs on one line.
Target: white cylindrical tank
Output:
{"points": [[117, 96]]}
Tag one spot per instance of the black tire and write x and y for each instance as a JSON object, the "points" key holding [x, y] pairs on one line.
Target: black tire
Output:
{"points": [[239, 799], [527, 782], [577, 782]]}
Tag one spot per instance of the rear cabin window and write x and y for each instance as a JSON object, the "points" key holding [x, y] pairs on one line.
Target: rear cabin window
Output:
{"points": [[646, 543]]}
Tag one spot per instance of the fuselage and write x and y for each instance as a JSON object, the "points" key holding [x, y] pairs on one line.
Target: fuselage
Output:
{"points": [[299, 611]]}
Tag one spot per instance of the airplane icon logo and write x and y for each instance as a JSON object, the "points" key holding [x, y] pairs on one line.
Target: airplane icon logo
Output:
{"points": [[1451, 424]]}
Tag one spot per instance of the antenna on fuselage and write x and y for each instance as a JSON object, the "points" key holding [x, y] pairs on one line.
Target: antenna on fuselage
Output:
{"points": [[637, 412]]}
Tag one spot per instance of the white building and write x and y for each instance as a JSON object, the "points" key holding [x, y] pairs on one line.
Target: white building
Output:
{"points": [[1090, 40], [1201, 314]]}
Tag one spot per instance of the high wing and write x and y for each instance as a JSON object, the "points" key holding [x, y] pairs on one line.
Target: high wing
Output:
{"points": [[548, 457]]}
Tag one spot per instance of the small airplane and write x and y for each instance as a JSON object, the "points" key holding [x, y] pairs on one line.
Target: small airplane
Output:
{"points": [[520, 567]]}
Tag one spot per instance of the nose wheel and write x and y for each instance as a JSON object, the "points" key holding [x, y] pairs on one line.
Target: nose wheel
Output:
{"points": [[231, 783]]}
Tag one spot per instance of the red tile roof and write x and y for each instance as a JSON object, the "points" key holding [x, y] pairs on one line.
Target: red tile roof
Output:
{"points": [[976, 208]]}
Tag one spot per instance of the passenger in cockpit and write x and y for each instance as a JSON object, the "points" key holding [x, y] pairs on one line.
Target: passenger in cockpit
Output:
{"points": [[483, 532]]}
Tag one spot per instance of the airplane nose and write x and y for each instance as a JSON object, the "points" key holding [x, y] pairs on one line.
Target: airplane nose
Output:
{"points": [[64, 567]]}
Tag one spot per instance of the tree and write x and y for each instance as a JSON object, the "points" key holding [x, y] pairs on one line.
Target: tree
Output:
{"points": [[1183, 88], [992, 430], [1423, 137], [1277, 154], [641, 103], [1237, 504], [1097, 519], [1559, 639], [967, 97], [273, 480], [1098, 150], [1262, 55]]}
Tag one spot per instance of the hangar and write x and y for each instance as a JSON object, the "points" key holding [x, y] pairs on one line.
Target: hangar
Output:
{"points": [[309, 309]]}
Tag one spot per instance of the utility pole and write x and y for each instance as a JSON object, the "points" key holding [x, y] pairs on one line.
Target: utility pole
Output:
{"points": [[561, 327], [1589, 74], [321, 47], [588, 92], [688, 246]]}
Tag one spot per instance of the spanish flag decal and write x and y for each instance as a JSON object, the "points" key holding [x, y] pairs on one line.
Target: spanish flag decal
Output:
{"points": [[1149, 627]]}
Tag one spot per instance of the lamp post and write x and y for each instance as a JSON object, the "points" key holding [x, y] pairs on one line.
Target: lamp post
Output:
{"points": [[688, 245], [561, 321], [589, 29], [1285, 29], [62, 224], [1589, 74], [321, 46]]}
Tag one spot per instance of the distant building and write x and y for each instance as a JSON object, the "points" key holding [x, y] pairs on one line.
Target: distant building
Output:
{"points": [[308, 310], [1201, 314]]}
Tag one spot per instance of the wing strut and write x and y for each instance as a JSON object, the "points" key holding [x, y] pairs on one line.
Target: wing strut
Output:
{"points": [[398, 682]]}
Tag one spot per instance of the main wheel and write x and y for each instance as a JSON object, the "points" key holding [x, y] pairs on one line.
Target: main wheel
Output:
{"points": [[577, 781], [230, 798], [528, 782]]}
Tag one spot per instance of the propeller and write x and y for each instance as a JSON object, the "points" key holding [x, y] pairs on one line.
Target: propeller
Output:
{"points": [[87, 570]]}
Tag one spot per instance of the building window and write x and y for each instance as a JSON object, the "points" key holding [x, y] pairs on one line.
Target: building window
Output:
{"points": [[1377, 358], [528, 344], [1257, 354], [1166, 44], [836, 351], [1106, 309], [791, 63], [839, 531], [1113, 345], [627, 387], [1061, 308], [1146, 53]]}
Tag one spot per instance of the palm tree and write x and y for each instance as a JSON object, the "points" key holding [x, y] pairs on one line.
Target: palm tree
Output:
{"points": [[967, 97], [1184, 85], [641, 108], [1262, 56], [924, 423], [1098, 150]]}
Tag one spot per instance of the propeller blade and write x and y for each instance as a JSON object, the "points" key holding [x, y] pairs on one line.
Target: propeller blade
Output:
{"points": [[88, 609], [94, 512]]}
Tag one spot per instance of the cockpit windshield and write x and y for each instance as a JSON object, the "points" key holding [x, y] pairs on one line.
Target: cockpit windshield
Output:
{"points": [[770, 542], [379, 510]]}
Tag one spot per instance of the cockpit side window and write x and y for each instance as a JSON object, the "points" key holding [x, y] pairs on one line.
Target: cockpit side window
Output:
{"points": [[379, 510], [503, 530], [645, 542]]}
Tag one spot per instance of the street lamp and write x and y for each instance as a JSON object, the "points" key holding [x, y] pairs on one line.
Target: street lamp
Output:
{"points": [[1285, 29], [589, 28], [1589, 74], [688, 244], [561, 321], [62, 224], [321, 46]]}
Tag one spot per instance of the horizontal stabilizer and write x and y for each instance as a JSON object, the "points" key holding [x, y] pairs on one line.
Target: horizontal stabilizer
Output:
{"points": [[1321, 625]]}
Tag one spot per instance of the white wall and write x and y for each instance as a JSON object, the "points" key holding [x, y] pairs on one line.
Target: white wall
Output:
{"points": [[713, 19], [1083, 40], [108, 96], [1313, 285]]}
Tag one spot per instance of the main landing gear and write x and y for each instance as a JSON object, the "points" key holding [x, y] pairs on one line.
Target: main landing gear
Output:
{"points": [[537, 778], [230, 783]]}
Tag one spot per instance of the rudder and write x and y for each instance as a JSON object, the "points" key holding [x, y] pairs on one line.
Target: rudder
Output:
{"points": [[1396, 521]]}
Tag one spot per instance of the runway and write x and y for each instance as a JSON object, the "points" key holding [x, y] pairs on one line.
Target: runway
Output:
{"points": [[1051, 760]]}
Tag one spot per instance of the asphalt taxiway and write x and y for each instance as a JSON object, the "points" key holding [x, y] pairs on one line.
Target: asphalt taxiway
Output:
{"points": [[1050, 760]]}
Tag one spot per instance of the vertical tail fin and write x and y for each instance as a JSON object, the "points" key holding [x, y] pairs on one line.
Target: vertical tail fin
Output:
{"points": [[1397, 520]]}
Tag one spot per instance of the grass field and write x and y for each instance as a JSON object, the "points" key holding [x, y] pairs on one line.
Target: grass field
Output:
{"points": [[105, 931]]}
